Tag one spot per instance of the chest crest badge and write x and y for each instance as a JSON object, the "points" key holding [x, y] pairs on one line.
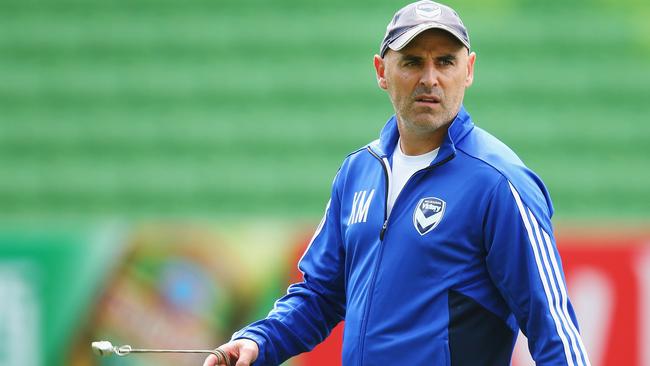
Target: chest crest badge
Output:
{"points": [[428, 214]]}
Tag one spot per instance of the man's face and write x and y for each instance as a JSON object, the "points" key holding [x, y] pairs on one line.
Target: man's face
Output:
{"points": [[426, 80]]}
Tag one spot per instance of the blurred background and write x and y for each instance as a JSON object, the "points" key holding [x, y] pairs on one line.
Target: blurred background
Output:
{"points": [[164, 163]]}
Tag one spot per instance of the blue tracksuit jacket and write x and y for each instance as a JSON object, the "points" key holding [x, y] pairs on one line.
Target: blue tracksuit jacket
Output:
{"points": [[465, 259]]}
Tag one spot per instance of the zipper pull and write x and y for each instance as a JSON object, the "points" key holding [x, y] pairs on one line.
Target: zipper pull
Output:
{"points": [[383, 230]]}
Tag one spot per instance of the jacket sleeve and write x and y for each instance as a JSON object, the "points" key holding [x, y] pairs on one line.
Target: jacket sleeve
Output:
{"points": [[306, 315], [524, 263]]}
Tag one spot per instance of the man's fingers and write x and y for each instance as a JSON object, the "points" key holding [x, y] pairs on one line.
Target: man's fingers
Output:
{"points": [[245, 357], [210, 361], [244, 351], [214, 360]]}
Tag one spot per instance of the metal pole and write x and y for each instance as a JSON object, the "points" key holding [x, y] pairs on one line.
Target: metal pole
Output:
{"points": [[104, 348]]}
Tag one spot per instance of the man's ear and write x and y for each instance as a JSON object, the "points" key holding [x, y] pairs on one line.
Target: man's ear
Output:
{"points": [[470, 69], [380, 70]]}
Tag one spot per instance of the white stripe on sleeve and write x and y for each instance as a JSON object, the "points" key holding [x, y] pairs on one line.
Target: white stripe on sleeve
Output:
{"points": [[548, 252], [542, 276], [316, 233], [563, 293]]}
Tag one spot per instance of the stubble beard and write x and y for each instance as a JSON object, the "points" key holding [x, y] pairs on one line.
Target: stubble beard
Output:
{"points": [[423, 122]]}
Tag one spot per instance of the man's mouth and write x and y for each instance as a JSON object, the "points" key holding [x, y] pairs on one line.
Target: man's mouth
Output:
{"points": [[427, 99]]}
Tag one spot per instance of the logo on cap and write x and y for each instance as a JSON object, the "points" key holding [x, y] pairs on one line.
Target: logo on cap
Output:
{"points": [[428, 11], [428, 214]]}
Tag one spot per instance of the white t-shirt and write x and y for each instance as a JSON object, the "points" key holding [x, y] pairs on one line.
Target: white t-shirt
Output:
{"points": [[403, 168]]}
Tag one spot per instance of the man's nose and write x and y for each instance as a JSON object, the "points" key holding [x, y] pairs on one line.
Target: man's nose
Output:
{"points": [[429, 77]]}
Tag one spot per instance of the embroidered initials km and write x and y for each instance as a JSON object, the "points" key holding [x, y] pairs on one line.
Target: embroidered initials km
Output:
{"points": [[360, 206]]}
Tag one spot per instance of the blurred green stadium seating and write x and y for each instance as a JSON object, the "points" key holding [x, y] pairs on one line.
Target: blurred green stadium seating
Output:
{"points": [[201, 108]]}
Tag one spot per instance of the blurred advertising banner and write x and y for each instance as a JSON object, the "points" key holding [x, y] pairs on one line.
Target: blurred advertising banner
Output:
{"points": [[157, 285], [47, 282], [182, 285]]}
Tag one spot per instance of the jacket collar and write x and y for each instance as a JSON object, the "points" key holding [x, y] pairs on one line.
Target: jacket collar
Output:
{"points": [[459, 127]]}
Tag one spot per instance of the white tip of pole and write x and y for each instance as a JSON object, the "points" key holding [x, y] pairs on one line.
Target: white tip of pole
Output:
{"points": [[103, 348]]}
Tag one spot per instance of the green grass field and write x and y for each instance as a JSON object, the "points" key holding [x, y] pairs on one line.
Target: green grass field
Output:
{"points": [[199, 108]]}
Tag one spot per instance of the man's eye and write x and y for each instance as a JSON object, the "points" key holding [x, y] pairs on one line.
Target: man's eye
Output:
{"points": [[446, 62], [411, 62]]}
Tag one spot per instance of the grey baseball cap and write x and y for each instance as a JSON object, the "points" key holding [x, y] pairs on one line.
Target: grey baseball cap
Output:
{"points": [[417, 17]]}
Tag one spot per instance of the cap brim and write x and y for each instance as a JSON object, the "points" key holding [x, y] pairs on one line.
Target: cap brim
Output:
{"points": [[401, 41]]}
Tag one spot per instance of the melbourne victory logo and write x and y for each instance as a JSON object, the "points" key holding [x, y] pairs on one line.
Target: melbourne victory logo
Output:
{"points": [[428, 11], [428, 214]]}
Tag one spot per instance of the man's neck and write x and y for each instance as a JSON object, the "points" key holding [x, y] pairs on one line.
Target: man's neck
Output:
{"points": [[418, 143]]}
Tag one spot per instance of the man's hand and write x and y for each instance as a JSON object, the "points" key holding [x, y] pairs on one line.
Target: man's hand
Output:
{"points": [[244, 351]]}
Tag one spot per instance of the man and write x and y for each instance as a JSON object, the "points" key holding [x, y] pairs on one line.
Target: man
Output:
{"points": [[436, 246]]}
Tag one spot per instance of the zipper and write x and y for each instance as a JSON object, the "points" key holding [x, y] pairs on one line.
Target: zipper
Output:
{"points": [[383, 229], [382, 233], [384, 164], [364, 322]]}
